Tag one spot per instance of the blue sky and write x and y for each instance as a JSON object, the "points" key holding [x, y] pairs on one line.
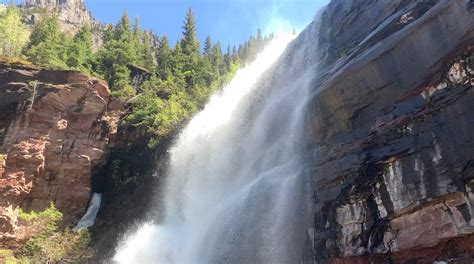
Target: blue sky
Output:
{"points": [[230, 21]]}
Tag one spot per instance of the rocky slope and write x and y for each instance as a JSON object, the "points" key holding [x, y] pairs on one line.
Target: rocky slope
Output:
{"points": [[73, 14], [390, 133], [55, 129]]}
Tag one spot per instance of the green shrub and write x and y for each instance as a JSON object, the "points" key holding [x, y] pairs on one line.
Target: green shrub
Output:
{"points": [[13, 31], [47, 243], [7, 257]]}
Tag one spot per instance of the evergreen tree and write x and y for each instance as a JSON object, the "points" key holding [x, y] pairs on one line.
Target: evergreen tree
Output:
{"points": [[190, 49], [47, 44], [190, 43], [137, 43], [80, 54], [207, 46], [218, 59], [240, 52], [136, 28], [184, 77], [178, 63], [108, 33], [207, 72], [235, 55], [123, 29], [14, 33], [146, 53], [228, 60], [117, 54], [164, 59]]}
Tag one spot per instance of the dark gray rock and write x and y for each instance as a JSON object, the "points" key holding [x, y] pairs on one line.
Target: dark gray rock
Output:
{"points": [[390, 132]]}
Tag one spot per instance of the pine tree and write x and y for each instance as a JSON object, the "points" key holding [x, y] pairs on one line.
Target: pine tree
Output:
{"points": [[235, 54], [207, 46], [164, 59], [190, 49], [14, 33], [217, 59], [47, 44], [137, 43], [123, 29], [108, 33], [206, 71], [190, 43], [228, 60], [146, 53], [117, 54], [136, 28], [80, 52], [240, 52], [178, 64]]}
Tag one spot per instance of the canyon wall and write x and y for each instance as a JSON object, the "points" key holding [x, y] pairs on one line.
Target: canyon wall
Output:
{"points": [[72, 14], [389, 136], [390, 133], [55, 129]]}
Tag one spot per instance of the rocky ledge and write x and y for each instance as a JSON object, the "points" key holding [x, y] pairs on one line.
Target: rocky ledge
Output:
{"points": [[55, 128], [390, 134]]}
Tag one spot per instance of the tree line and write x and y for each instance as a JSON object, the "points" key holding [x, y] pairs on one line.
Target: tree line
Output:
{"points": [[181, 77]]}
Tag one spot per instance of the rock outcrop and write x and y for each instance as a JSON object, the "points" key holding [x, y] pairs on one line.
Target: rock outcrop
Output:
{"points": [[73, 14], [130, 182], [55, 129], [390, 133]]}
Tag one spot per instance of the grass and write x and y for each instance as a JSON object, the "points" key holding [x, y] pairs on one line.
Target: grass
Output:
{"points": [[16, 62], [7, 257]]}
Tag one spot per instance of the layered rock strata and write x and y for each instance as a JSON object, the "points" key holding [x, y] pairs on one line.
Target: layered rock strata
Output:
{"points": [[55, 128], [390, 133]]}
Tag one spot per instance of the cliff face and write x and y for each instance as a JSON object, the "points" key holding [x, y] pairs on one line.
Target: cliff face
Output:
{"points": [[73, 14], [130, 182], [55, 127], [390, 133]]}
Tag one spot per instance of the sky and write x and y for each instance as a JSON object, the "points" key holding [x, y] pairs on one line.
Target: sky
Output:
{"points": [[229, 21]]}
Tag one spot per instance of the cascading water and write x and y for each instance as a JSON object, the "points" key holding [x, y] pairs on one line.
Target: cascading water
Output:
{"points": [[237, 188], [89, 218]]}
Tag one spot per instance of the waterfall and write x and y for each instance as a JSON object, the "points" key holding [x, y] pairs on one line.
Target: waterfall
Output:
{"points": [[89, 218], [237, 189]]}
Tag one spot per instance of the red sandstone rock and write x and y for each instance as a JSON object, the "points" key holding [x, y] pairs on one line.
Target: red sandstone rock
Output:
{"points": [[53, 143]]}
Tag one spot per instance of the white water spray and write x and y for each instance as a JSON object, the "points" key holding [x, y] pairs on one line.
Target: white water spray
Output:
{"points": [[236, 183], [89, 218]]}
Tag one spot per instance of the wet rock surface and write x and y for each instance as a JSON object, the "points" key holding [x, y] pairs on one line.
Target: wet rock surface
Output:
{"points": [[390, 134], [55, 129], [131, 183]]}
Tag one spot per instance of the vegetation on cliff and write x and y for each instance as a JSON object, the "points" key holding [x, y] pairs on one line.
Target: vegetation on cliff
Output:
{"points": [[164, 85], [14, 33], [47, 242]]}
